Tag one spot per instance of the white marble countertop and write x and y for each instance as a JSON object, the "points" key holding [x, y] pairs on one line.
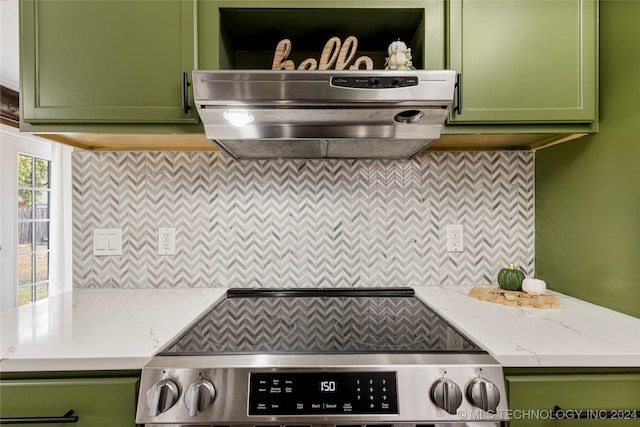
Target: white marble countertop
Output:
{"points": [[98, 329], [106, 329], [578, 334]]}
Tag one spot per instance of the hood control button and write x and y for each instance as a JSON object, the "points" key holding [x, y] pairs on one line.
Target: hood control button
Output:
{"points": [[409, 116]]}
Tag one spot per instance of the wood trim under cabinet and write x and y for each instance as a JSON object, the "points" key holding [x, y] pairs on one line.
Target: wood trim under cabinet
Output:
{"points": [[10, 107]]}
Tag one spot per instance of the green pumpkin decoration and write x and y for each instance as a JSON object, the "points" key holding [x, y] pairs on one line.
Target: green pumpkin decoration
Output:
{"points": [[510, 278]]}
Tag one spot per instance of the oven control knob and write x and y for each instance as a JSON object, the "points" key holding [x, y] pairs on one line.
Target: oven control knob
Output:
{"points": [[161, 397], [484, 394], [446, 394], [199, 396]]}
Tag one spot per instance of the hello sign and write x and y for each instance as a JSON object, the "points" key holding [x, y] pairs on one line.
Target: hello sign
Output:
{"points": [[334, 53]]}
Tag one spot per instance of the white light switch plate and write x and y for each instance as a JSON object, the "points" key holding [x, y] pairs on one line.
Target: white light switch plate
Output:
{"points": [[107, 241]]}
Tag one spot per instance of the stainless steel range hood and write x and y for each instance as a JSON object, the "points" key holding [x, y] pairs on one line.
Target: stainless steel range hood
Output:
{"points": [[323, 114]]}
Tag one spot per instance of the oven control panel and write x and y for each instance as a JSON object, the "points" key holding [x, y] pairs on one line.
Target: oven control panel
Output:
{"points": [[322, 393], [322, 389]]}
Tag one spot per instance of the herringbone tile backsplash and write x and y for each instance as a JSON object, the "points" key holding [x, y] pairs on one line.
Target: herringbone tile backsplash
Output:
{"points": [[302, 223]]}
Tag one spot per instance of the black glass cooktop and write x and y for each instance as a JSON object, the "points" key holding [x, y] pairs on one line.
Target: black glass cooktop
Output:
{"points": [[379, 320]]}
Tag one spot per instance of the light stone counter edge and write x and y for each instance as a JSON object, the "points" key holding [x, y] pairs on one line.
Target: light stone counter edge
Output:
{"points": [[108, 329]]}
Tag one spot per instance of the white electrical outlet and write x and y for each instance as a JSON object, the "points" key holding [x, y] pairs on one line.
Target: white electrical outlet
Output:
{"points": [[455, 238], [166, 241]]}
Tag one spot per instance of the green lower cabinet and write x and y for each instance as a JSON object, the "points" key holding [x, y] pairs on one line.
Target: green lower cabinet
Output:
{"points": [[97, 402], [532, 399], [525, 61]]}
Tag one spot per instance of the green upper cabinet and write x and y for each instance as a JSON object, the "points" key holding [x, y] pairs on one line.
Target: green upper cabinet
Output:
{"points": [[528, 67], [525, 61], [104, 61]]}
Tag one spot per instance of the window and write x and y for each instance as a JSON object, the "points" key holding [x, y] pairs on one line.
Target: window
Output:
{"points": [[35, 218], [34, 195]]}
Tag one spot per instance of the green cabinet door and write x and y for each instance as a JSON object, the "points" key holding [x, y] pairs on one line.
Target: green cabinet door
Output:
{"points": [[525, 61], [97, 402], [105, 61], [532, 398]]}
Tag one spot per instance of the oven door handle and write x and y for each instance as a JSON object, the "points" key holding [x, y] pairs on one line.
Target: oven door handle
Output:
{"points": [[572, 414], [66, 418]]}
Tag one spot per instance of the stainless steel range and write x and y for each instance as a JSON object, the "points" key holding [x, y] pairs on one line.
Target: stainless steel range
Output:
{"points": [[333, 357]]}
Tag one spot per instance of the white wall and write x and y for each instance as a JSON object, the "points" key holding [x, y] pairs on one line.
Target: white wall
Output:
{"points": [[9, 44]]}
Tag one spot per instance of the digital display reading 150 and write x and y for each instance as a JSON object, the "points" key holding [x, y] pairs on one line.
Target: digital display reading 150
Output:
{"points": [[327, 386], [322, 393]]}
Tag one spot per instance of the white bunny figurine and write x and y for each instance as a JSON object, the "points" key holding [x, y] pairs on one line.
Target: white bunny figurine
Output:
{"points": [[399, 57]]}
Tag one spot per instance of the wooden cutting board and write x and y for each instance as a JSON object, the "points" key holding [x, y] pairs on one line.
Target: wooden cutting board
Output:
{"points": [[514, 298]]}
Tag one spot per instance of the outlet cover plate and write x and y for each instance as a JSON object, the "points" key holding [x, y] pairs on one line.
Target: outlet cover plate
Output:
{"points": [[166, 241], [455, 238]]}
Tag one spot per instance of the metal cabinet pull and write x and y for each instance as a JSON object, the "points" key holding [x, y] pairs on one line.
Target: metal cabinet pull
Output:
{"points": [[458, 107], [572, 414], [66, 418], [185, 93]]}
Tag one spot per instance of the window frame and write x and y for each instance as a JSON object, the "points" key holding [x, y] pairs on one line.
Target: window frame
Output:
{"points": [[12, 142], [33, 283]]}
